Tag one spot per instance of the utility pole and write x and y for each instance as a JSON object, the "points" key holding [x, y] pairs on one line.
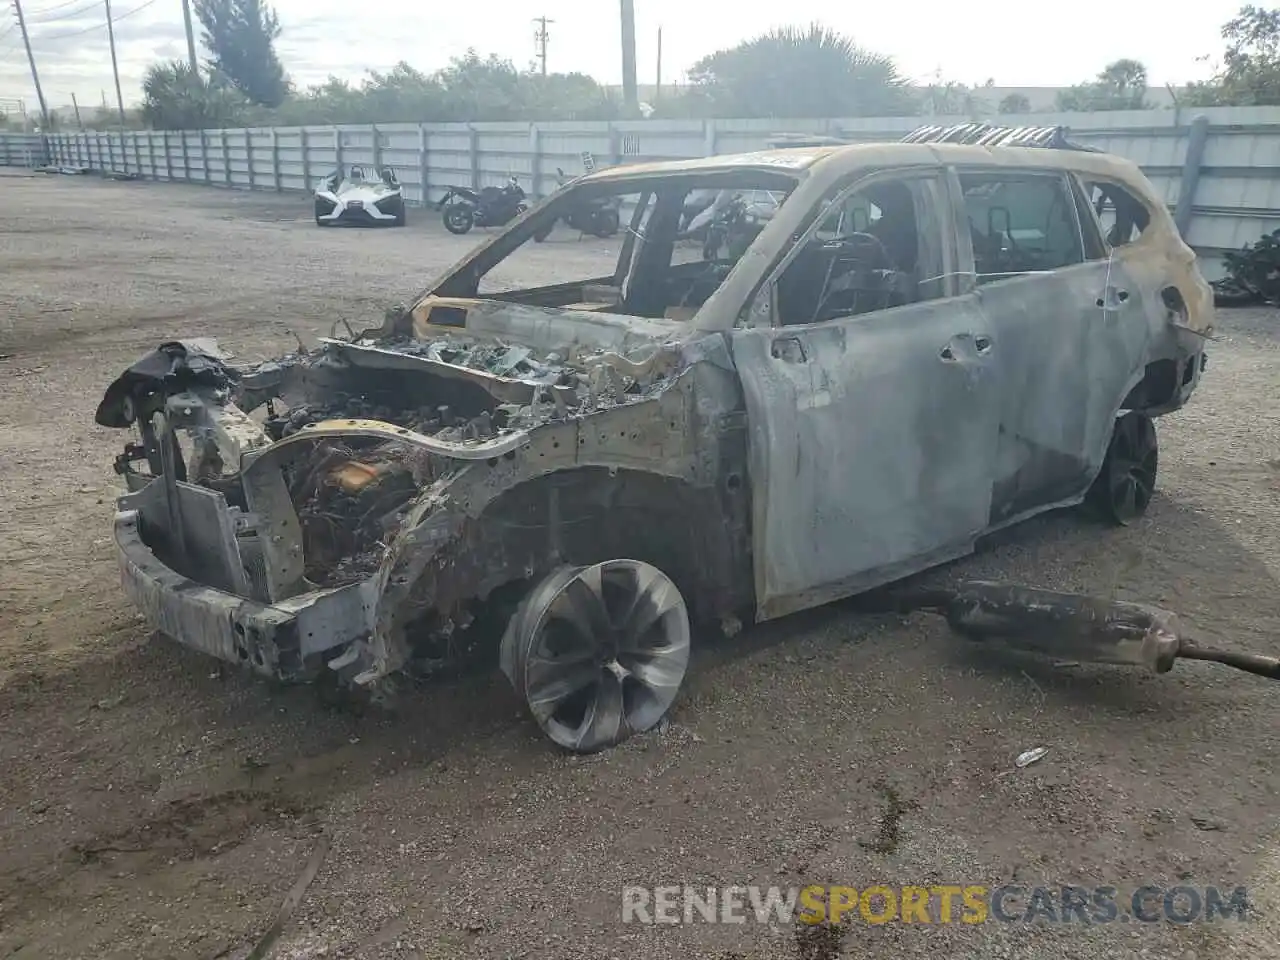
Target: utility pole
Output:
{"points": [[115, 68], [657, 84], [35, 77], [191, 37], [630, 95], [75, 106], [540, 38]]}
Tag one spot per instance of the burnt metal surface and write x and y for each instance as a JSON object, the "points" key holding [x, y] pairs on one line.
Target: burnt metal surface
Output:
{"points": [[886, 442], [876, 454], [171, 366], [402, 489], [987, 135], [422, 471], [1074, 626]]}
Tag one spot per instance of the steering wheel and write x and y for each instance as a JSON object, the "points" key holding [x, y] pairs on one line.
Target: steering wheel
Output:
{"points": [[855, 242], [859, 241]]}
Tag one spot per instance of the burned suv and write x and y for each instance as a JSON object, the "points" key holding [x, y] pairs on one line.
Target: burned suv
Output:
{"points": [[925, 342]]}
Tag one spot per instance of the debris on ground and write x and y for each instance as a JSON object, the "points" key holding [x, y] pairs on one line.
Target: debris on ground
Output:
{"points": [[1028, 757], [1206, 823], [64, 170], [1089, 629]]}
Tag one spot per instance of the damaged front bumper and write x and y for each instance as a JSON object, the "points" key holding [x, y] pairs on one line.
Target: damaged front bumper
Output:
{"points": [[289, 639], [308, 539]]}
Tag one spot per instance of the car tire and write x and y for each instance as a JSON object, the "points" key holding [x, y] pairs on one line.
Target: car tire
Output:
{"points": [[607, 223], [590, 689], [399, 221], [1122, 490], [458, 218]]}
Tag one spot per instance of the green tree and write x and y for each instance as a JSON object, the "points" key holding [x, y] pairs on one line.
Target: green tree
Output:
{"points": [[1122, 85], [1250, 71], [470, 88], [175, 97], [798, 72], [241, 35], [949, 98], [1015, 103]]}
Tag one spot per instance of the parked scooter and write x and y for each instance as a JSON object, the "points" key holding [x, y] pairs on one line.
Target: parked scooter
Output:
{"points": [[465, 208], [600, 217]]}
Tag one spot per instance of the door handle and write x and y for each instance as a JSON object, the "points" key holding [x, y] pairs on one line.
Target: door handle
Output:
{"points": [[954, 350], [788, 349], [1120, 297]]}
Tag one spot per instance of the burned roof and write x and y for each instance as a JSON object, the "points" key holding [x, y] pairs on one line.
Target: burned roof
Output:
{"points": [[959, 142], [988, 135]]}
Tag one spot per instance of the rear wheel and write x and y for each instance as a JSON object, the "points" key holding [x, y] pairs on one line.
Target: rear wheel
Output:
{"points": [[544, 232], [598, 653], [607, 223], [1123, 488], [458, 218]]}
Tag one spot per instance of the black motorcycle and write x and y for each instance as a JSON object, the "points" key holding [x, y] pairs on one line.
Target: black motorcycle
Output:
{"points": [[600, 217], [465, 208]]}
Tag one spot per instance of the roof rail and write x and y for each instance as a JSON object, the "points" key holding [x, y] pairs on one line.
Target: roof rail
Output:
{"points": [[783, 140], [987, 135]]}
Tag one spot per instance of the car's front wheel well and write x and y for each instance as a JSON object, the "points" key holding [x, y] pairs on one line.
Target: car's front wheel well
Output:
{"points": [[697, 535]]}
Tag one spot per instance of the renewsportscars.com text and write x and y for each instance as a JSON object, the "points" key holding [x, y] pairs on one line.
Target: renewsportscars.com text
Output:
{"points": [[937, 903]]}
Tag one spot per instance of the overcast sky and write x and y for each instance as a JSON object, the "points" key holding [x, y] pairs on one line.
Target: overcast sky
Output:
{"points": [[1008, 40]]}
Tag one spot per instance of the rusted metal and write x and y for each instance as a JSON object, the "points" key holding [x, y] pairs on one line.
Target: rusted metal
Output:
{"points": [[1074, 626]]}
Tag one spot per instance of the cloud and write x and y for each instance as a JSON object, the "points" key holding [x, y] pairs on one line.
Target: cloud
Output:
{"points": [[968, 42]]}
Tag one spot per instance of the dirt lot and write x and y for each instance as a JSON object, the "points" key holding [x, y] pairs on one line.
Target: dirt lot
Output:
{"points": [[155, 805]]}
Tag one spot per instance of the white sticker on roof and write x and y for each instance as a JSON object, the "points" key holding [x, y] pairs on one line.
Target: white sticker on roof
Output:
{"points": [[785, 161], [790, 161]]}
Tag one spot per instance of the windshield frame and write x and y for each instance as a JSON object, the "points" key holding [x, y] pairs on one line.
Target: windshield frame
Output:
{"points": [[462, 280]]}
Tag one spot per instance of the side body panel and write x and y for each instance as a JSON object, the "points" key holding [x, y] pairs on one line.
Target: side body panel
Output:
{"points": [[872, 434], [872, 440], [1072, 342], [1066, 364]]}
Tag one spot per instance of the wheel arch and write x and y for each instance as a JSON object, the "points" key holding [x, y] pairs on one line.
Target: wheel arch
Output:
{"points": [[662, 479], [1163, 377], [697, 534]]}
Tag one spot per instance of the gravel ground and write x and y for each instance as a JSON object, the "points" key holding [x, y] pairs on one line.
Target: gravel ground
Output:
{"points": [[155, 805]]}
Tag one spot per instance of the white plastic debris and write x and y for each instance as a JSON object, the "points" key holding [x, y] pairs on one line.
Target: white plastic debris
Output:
{"points": [[1028, 757]]}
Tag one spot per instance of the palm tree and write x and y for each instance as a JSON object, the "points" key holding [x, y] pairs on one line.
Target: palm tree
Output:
{"points": [[809, 71]]}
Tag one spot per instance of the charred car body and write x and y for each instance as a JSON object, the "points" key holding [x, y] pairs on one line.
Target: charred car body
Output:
{"points": [[925, 342]]}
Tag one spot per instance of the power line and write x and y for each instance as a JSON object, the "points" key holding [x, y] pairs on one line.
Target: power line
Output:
{"points": [[70, 14], [56, 6], [96, 26]]}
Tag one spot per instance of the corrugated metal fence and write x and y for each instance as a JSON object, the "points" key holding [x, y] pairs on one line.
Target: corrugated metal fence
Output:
{"points": [[1221, 174]]}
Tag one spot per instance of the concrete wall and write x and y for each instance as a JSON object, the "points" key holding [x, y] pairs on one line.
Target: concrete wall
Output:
{"points": [[1233, 167]]}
